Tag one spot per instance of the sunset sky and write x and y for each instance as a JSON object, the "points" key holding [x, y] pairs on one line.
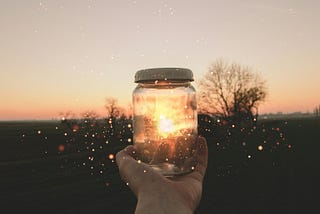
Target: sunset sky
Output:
{"points": [[58, 56]]}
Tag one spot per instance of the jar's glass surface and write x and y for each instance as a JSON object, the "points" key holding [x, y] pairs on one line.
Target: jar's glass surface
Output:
{"points": [[165, 125]]}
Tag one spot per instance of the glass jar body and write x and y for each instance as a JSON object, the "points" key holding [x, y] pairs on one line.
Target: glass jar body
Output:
{"points": [[165, 126]]}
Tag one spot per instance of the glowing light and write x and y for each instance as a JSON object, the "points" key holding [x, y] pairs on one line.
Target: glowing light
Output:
{"points": [[111, 156], [75, 128], [39, 132], [260, 148], [165, 125], [61, 148]]}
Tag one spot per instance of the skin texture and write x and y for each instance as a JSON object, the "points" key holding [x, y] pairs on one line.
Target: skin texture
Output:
{"points": [[159, 194]]}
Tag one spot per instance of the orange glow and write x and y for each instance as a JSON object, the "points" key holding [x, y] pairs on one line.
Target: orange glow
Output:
{"points": [[171, 121], [111, 156], [61, 148]]}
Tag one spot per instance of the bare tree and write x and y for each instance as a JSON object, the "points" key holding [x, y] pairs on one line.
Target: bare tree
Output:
{"points": [[230, 90], [113, 108], [317, 111]]}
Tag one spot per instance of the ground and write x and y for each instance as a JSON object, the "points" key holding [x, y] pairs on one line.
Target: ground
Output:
{"points": [[45, 168]]}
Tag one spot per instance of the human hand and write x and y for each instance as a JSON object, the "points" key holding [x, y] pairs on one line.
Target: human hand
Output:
{"points": [[157, 193]]}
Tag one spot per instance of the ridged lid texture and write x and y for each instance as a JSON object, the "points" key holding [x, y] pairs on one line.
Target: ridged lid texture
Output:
{"points": [[163, 74]]}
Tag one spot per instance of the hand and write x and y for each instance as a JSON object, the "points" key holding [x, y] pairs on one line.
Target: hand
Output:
{"points": [[159, 194]]}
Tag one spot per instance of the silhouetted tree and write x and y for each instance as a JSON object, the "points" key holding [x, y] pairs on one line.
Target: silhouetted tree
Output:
{"points": [[231, 91], [113, 108], [316, 111]]}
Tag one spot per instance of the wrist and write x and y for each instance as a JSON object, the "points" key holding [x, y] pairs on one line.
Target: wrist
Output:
{"points": [[161, 202]]}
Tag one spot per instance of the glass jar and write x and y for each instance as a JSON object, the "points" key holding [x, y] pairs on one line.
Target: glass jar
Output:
{"points": [[165, 120]]}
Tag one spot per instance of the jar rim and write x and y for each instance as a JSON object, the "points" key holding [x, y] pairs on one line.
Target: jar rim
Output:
{"points": [[163, 74]]}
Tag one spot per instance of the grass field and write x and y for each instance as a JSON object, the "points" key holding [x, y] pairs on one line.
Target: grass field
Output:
{"points": [[46, 168]]}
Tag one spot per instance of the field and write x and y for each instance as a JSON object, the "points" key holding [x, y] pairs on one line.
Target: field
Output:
{"points": [[49, 168]]}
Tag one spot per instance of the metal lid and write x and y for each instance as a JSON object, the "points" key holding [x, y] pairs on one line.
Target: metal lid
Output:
{"points": [[163, 74]]}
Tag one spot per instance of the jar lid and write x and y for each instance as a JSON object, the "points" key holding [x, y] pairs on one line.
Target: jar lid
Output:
{"points": [[163, 74]]}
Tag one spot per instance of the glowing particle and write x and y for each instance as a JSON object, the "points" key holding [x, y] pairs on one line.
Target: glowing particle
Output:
{"points": [[107, 142], [129, 125], [218, 121], [111, 156], [56, 127], [23, 135], [139, 161], [289, 146], [75, 128], [129, 140], [260, 148], [61, 148], [39, 132], [92, 150], [233, 126], [144, 171], [192, 168], [107, 184], [249, 156], [65, 134], [127, 183]]}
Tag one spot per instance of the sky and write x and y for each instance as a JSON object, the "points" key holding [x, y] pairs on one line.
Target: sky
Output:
{"points": [[60, 56]]}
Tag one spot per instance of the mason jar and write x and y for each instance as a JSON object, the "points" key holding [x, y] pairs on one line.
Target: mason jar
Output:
{"points": [[165, 119]]}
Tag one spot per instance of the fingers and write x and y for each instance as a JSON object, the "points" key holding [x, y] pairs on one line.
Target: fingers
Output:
{"points": [[202, 156], [201, 159], [134, 173], [127, 153]]}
